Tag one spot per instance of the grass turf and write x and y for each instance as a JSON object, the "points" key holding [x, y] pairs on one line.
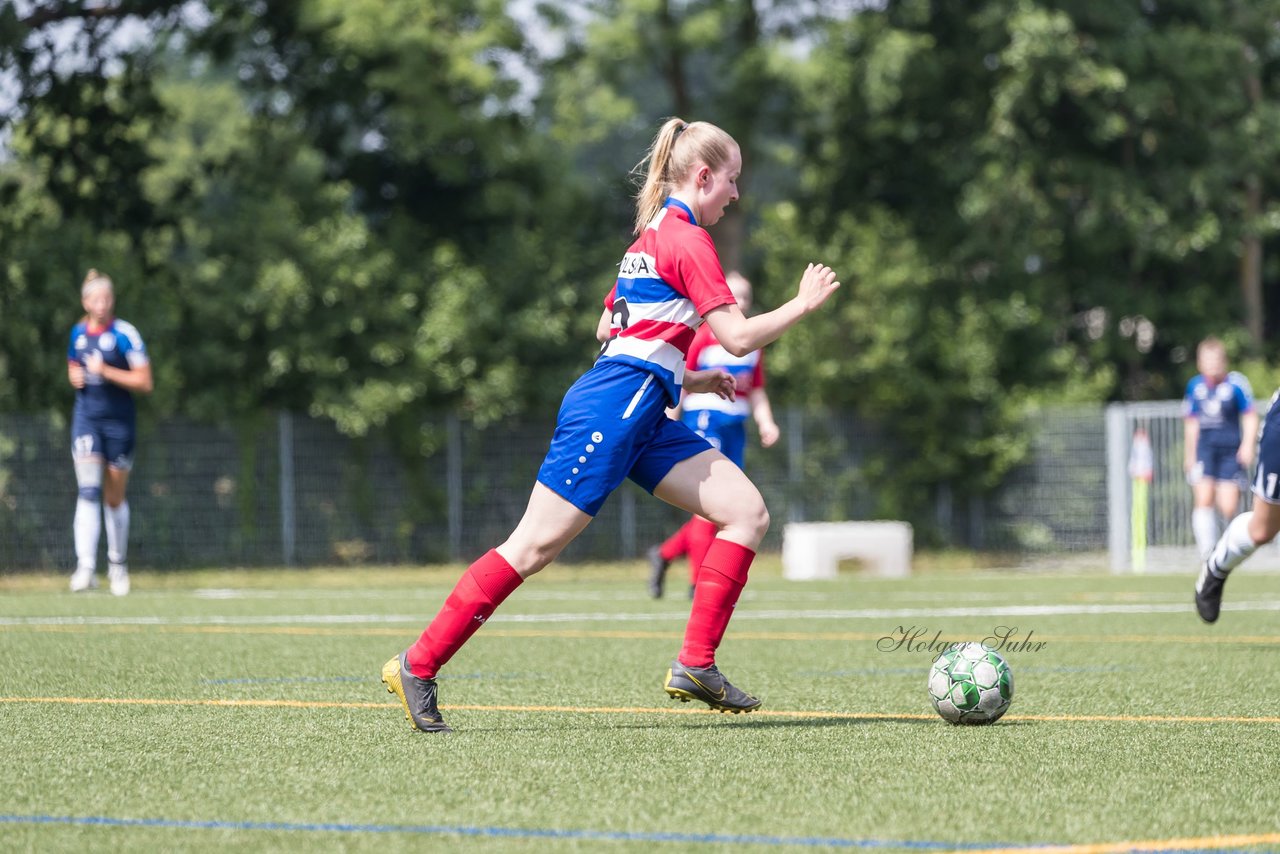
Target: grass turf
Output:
{"points": [[245, 710]]}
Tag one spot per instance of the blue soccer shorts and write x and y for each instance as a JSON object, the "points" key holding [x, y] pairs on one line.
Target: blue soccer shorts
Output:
{"points": [[1266, 482], [111, 439], [612, 426], [1220, 463]]}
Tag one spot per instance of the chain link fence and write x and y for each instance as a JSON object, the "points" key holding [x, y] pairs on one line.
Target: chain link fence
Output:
{"points": [[288, 490]]}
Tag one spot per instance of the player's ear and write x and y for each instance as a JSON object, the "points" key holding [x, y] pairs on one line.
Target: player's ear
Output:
{"points": [[704, 175]]}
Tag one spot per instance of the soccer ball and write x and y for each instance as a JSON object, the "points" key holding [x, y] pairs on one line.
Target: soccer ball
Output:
{"points": [[970, 684]]}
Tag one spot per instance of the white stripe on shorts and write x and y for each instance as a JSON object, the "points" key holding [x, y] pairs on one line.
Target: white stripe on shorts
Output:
{"points": [[631, 407]]}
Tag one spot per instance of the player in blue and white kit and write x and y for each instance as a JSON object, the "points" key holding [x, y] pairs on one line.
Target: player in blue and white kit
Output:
{"points": [[613, 425], [1249, 530], [107, 364], [1219, 432]]}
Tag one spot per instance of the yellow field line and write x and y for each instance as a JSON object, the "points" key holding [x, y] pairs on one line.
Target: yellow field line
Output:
{"points": [[1183, 844], [493, 632], [627, 710]]}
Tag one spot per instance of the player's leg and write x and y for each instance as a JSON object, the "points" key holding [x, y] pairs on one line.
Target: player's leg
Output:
{"points": [[118, 445], [1226, 501], [1204, 518], [1231, 478], [728, 435], [549, 524], [593, 448], [86, 456], [1247, 531], [710, 485], [681, 542], [660, 558], [701, 534], [116, 515]]}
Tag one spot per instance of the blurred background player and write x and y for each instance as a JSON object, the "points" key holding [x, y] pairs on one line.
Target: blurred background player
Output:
{"points": [[107, 364], [613, 425], [1249, 530], [1220, 429], [721, 422]]}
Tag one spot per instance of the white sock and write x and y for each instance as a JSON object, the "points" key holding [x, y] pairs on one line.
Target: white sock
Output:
{"points": [[1234, 547], [87, 527], [117, 532], [1204, 524]]}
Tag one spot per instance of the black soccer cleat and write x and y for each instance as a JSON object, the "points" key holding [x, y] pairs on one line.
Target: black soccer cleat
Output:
{"points": [[1209, 594], [417, 696], [657, 571], [708, 685]]}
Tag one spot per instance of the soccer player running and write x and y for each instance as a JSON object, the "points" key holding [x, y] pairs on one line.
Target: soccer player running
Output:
{"points": [[613, 425], [1249, 530], [107, 364], [1220, 427], [721, 422]]}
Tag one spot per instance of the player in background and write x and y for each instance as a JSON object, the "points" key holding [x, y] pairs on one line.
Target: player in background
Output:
{"points": [[613, 425], [721, 422], [1220, 428], [107, 365], [1246, 532]]}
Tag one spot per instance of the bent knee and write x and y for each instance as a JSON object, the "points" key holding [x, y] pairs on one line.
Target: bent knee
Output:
{"points": [[1263, 532], [527, 558], [762, 519], [749, 517]]}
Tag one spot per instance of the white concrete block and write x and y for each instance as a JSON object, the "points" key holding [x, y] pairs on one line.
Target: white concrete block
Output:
{"points": [[813, 550]]}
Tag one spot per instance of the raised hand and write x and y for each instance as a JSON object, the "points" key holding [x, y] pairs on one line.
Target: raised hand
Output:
{"points": [[816, 285]]}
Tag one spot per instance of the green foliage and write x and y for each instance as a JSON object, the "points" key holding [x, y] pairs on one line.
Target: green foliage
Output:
{"points": [[377, 211], [1027, 202]]}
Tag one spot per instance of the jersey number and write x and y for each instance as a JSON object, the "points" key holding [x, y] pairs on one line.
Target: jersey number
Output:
{"points": [[619, 319]]}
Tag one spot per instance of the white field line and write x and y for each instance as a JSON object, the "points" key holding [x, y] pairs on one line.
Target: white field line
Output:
{"points": [[914, 614], [434, 593]]}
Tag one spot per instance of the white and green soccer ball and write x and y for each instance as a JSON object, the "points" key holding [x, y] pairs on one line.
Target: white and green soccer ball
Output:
{"points": [[970, 684]]}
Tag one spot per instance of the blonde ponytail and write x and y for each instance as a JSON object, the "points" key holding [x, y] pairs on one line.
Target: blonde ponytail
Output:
{"points": [[677, 148]]}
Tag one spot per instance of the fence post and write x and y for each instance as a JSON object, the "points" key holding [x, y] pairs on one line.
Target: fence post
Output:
{"points": [[944, 511], [795, 465], [627, 523], [453, 483], [1118, 486], [288, 516]]}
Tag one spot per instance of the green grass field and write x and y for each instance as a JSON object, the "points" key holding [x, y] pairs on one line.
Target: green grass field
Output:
{"points": [[211, 711]]}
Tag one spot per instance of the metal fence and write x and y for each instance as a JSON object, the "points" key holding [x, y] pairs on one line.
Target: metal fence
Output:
{"points": [[291, 490], [1165, 526]]}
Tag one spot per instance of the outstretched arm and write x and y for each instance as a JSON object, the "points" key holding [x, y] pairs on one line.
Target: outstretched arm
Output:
{"points": [[740, 334]]}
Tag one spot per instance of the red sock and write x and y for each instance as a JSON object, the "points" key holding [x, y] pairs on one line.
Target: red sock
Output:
{"points": [[702, 533], [478, 592], [723, 575], [677, 544]]}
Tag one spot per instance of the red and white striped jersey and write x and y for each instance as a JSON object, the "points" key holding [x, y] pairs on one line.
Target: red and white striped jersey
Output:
{"points": [[668, 280]]}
